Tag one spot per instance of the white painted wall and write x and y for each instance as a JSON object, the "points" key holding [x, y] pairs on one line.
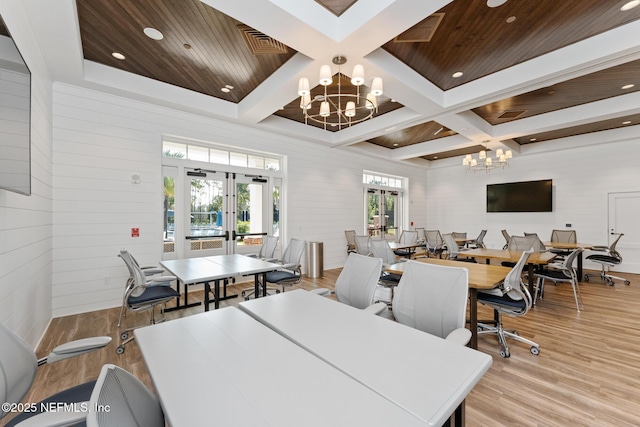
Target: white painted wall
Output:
{"points": [[25, 221], [582, 177], [101, 140]]}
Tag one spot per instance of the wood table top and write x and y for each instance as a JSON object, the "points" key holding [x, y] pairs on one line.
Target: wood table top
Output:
{"points": [[561, 245], [539, 258], [481, 276]]}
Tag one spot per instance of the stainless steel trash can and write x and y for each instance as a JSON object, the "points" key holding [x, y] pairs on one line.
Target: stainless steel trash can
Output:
{"points": [[315, 256]]}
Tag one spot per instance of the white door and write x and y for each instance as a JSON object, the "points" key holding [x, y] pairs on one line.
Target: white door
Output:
{"points": [[623, 210], [250, 220]]}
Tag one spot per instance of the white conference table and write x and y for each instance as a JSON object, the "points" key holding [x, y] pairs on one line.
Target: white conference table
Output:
{"points": [[225, 368], [426, 375], [215, 268]]}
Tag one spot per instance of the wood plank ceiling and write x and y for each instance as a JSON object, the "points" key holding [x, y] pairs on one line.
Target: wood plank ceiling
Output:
{"points": [[206, 51]]}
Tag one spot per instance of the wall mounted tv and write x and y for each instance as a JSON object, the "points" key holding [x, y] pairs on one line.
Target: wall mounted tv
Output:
{"points": [[527, 196]]}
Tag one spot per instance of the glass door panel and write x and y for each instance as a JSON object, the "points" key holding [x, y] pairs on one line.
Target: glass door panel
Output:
{"points": [[206, 230], [251, 213], [390, 214], [383, 216]]}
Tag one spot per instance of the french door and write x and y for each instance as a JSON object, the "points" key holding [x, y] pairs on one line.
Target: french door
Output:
{"points": [[382, 213], [225, 213]]}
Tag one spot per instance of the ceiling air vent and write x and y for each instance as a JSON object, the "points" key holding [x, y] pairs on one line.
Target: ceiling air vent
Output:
{"points": [[260, 43], [511, 114], [423, 31]]}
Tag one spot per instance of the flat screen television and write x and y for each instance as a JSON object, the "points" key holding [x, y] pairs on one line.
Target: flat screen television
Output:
{"points": [[15, 117], [527, 196]]}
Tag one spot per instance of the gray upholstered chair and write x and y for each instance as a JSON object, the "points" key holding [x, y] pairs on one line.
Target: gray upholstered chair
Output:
{"points": [[362, 244], [607, 257], [506, 238], [357, 282], [453, 250], [563, 272], [435, 242], [350, 235], [409, 237], [142, 292], [290, 272], [18, 365], [479, 242], [512, 298], [380, 249], [433, 299]]}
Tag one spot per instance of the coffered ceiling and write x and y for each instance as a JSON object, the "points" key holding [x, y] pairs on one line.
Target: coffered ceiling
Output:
{"points": [[531, 76]]}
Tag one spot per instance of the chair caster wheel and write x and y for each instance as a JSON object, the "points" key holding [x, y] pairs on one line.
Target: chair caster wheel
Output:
{"points": [[535, 350], [124, 336], [626, 282], [586, 278], [120, 349], [505, 354]]}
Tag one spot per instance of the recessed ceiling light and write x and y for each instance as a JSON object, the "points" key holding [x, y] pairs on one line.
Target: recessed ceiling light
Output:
{"points": [[393, 100], [435, 157], [630, 5], [495, 3], [225, 90], [395, 145], [229, 87], [629, 86], [152, 33], [186, 46], [457, 74], [533, 139], [118, 55], [627, 122], [511, 19]]}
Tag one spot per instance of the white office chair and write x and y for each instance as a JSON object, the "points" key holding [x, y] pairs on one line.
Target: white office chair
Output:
{"points": [[142, 293], [362, 244], [122, 400], [408, 237], [511, 297], [290, 272], [267, 250], [380, 249], [560, 273], [435, 242], [18, 365], [454, 251], [433, 299], [357, 282]]}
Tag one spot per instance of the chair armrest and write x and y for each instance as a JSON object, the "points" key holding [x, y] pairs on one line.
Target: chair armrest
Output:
{"points": [[459, 336], [600, 248], [276, 260], [290, 266], [150, 270], [324, 292], [57, 418], [376, 308], [161, 280], [75, 348]]}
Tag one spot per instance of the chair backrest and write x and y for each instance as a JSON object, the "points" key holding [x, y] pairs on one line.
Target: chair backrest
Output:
{"points": [[408, 236], [350, 235], [137, 280], [432, 298], [434, 239], [452, 247], [362, 245], [513, 284], [380, 249], [268, 248], [357, 282], [480, 239], [18, 366], [421, 235], [524, 243], [567, 264], [459, 235], [612, 249], [564, 236], [506, 238], [130, 403], [293, 253]]}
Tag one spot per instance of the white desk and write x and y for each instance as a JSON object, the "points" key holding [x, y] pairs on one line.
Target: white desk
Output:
{"points": [[424, 374], [225, 368], [214, 269]]}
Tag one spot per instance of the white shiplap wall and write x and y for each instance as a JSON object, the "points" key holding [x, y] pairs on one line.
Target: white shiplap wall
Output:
{"points": [[582, 178], [101, 140], [25, 221]]}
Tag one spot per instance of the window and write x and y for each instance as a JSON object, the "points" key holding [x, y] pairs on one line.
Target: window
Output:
{"points": [[219, 155]]}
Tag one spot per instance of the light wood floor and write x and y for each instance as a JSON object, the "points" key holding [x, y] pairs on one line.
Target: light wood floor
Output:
{"points": [[587, 373]]}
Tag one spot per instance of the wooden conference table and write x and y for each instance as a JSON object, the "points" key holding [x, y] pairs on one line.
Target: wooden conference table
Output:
{"points": [[571, 247], [423, 374], [536, 258], [481, 276], [215, 268]]}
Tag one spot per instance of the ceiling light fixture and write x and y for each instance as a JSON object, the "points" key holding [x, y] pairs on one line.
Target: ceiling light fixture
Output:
{"points": [[485, 163], [495, 3], [152, 33], [118, 55], [629, 86], [457, 74], [630, 5], [339, 108]]}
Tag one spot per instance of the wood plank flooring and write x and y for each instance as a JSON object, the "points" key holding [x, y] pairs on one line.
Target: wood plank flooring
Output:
{"points": [[587, 373]]}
